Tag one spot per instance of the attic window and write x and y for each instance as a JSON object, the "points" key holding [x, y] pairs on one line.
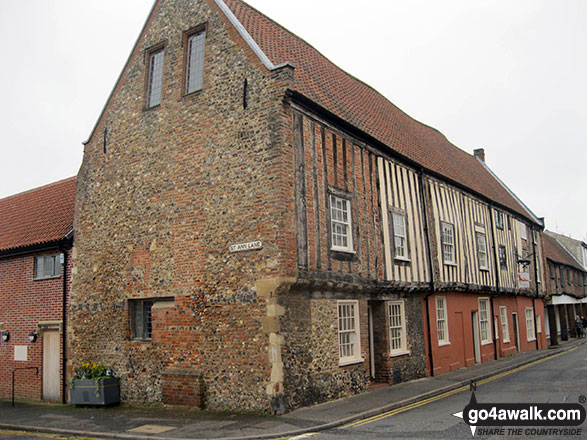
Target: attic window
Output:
{"points": [[195, 61]]}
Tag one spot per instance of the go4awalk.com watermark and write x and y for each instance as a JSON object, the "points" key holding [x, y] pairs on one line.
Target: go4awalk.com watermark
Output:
{"points": [[535, 419]]}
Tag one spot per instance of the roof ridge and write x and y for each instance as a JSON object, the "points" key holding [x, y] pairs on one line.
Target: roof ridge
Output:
{"points": [[38, 188], [344, 71]]}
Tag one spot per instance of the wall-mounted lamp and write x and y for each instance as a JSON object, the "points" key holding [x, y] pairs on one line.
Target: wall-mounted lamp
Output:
{"points": [[5, 336], [32, 336]]}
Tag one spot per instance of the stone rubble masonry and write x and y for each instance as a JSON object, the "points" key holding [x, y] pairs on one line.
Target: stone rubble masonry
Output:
{"points": [[159, 202]]}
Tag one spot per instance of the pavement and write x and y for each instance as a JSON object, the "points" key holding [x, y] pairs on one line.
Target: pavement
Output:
{"points": [[124, 422]]}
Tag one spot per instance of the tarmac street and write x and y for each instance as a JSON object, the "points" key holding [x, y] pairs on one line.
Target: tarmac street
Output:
{"points": [[417, 409]]}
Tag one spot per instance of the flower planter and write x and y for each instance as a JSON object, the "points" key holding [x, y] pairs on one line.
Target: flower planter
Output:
{"points": [[102, 392]]}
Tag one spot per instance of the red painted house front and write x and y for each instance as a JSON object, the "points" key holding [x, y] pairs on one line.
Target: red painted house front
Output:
{"points": [[36, 236], [473, 336]]}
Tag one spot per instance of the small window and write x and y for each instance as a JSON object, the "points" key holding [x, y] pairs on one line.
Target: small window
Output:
{"points": [[397, 328], [140, 318], [523, 231], [482, 251], [505, 329], [499, 219], [47, 266], [348, 332], [441, 321], [530, 330], [502, 257], [195, 62], [400, 236], [448, 243], [484, 326], [340, 216], [155, 80]]}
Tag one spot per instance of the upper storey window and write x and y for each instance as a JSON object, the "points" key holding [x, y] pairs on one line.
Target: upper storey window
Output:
{"points": [[155, 78], [340, 215], [499, 219], [195, 62], [448, 243]]}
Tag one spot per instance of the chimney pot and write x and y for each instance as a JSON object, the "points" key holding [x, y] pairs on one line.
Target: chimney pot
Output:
{"points": [[479, 153]]}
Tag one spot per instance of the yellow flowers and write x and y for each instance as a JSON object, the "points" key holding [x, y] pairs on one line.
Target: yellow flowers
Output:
{"points": [[93, 370]]}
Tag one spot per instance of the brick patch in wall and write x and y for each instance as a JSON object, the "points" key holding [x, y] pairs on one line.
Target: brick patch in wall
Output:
{"points": [[183, 386]]}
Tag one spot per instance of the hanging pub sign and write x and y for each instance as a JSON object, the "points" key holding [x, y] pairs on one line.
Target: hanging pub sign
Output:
{"points": [[524, 280], [248, 246]]}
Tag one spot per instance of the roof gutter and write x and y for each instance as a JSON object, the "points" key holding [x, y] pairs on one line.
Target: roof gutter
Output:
{"points": [[46, 246]]}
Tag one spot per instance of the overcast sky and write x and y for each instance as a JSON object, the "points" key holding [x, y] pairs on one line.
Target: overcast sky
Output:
{"points": [[507, 76]]}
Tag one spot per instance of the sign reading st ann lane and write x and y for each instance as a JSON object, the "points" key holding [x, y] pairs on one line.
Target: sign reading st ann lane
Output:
{"points": [[248, 246]]}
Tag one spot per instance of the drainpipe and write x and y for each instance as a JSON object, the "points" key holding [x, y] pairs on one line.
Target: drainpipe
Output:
{"points": [[64, 247], [536, 287], [430, 265], [497, 269]]}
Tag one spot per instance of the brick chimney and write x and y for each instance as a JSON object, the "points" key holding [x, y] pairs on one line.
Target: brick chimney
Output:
{"points": [[479, 153]]}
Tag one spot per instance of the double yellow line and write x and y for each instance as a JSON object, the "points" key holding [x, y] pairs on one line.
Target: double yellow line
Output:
{"points": [[447, 394]]}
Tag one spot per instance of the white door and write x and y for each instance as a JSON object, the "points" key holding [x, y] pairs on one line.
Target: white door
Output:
{"points": [[51, 365]]}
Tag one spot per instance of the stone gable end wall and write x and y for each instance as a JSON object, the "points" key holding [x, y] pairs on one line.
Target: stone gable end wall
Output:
{"points": [[162, 194]]}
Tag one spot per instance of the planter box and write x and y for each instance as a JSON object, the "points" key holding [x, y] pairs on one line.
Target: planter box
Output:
{"points": [[87, 392]]}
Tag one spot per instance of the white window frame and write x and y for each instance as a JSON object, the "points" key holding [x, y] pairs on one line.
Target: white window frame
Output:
{"points": [[395, 325], [398, 236], [530, 329], [482, 253], [447, 246], [355, 332], [40, 264], [538, 324], [442, 321], [346, 225], [484, 321], [155, 78], [505, 327]]}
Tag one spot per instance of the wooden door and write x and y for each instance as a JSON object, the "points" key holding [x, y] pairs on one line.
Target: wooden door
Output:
{"points": [[51, 365]]}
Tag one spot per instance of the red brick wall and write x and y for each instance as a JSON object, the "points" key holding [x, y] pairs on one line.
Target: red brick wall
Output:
{"points": [[25, 302], [460, 352]]}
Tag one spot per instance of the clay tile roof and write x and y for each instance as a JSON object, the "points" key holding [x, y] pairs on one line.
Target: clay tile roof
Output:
{"points": [[327, 85], [37, 216], [555, 252]]}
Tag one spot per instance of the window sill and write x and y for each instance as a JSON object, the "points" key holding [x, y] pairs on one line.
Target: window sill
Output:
{"points": [[484, 269], [531, 340], [192, 94], [506, 341], [344, 363], [487, 342], [402, 259], [153, 107], [344, 250], [450, 263], [400, 353], [442, 344], [47, 278]]}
